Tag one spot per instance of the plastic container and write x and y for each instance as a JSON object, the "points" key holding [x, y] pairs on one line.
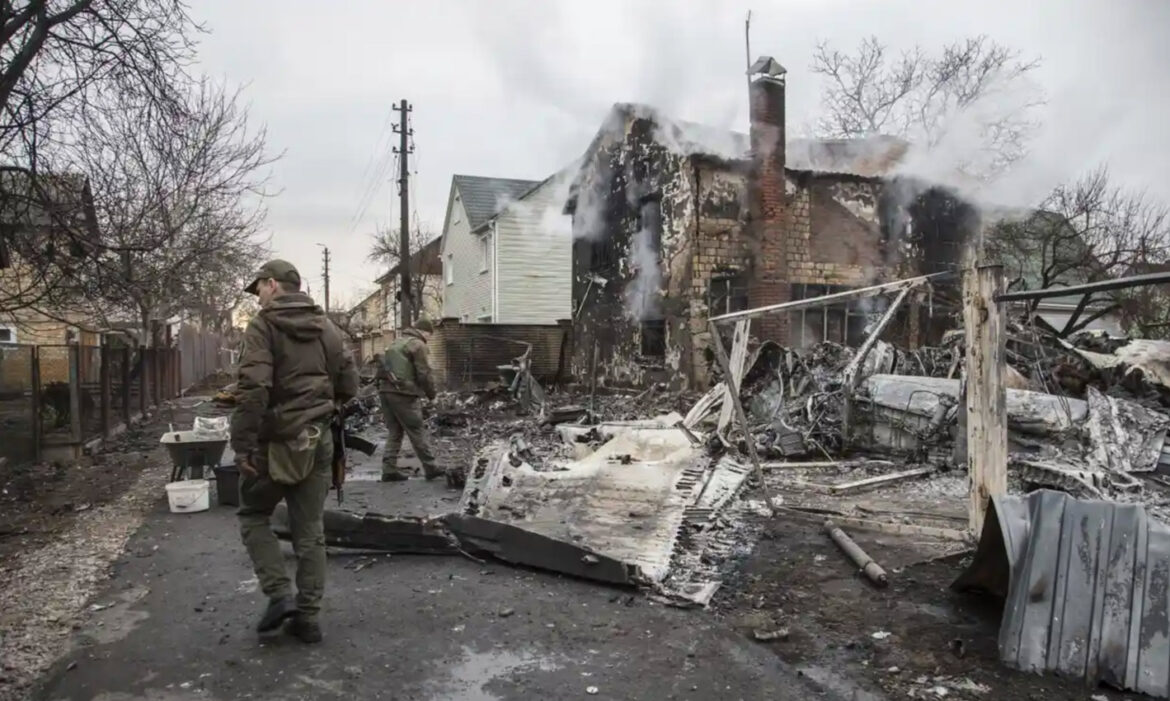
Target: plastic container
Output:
{"points": [[189, 496], [227, 485]]}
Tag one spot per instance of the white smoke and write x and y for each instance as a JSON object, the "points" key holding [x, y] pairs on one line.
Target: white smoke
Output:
{"points": [[644, 292]]}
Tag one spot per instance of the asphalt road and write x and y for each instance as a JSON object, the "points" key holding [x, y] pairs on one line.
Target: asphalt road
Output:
{"points": [[176, 623]]}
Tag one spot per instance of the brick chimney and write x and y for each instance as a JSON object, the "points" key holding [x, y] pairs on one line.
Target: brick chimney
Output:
{"points": [[769, 282]]}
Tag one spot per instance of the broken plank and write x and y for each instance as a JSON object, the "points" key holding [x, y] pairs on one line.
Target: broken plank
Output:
{"points": [[703, 408], [822, 464], [739, 344], [880, 526], [733, 391], [879, 481]]}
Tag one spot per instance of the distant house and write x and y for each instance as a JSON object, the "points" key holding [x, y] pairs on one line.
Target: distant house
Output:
{"points": [[374, 322], [49, 213], [507, 251], [1039, 246]]}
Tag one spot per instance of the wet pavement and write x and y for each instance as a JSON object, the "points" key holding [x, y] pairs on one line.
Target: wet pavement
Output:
{"points": [[176, 623]]}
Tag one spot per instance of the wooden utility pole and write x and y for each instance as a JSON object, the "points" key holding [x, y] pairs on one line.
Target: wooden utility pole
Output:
{"points": [[404, 150], [325, 274], [986, 398]]}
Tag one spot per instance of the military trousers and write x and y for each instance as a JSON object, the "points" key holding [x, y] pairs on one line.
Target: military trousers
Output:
{"points": [[403, 417], [306, 509]]}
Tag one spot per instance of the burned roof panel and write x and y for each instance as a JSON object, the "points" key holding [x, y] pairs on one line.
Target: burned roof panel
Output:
{"points": [[866, 156], [1086, 586], [484, 197]]}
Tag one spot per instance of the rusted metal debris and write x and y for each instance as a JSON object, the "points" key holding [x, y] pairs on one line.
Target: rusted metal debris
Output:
{"points": [[868, 566]]}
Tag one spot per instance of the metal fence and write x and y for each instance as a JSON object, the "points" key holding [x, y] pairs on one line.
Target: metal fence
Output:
{"points": [[17, 406], [68, 395]]}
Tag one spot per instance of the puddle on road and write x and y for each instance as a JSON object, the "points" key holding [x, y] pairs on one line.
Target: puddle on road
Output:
{"points": [[467, 679]]}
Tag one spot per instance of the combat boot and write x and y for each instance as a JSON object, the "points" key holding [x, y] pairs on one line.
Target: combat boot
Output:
{"points": [[432, 472], [278, 610], [305, 629], [394, 476]]}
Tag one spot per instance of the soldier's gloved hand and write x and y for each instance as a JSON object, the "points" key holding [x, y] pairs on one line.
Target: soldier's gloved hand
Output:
{"points": [[251, 466]]}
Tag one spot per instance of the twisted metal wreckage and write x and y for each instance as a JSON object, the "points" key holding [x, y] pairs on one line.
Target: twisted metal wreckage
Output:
{"points": [[658, 502]]}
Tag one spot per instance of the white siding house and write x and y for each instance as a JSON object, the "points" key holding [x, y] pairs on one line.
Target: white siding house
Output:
{"points": [[506, 255]]}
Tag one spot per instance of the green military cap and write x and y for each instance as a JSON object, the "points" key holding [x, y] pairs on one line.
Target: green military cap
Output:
{"points": [[425, 325], [276, 269]]}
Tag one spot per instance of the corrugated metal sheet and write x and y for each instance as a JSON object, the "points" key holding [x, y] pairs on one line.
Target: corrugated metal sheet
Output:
{"points": [[1086, 586]]}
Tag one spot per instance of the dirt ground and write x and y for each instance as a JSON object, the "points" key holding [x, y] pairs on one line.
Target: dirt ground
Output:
{"points": [[38, 502], [915, 639]]}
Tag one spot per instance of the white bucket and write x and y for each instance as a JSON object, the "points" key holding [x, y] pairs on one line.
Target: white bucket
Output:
{"points": [[189, 496]]}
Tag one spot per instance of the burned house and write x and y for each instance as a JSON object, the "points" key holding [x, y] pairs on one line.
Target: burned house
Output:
{"points": [[674, 222]]}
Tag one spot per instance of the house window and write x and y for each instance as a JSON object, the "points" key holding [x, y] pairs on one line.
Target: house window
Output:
{"points": [[726, 293], [654, 338], [843, 322], [603, 255], [485, 253], [449, 269], [7, 335]]}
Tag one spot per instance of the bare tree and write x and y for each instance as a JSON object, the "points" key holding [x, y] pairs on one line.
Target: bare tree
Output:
{"points": [[178, 201], [975, 87], [63, 62], [57, 56], [1086, 231], [425, 285]]}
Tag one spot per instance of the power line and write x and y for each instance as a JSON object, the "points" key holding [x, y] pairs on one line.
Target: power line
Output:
{"points": [[382, 147]]}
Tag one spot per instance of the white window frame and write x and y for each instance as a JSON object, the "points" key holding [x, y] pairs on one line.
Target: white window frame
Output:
{"points": [[12, 330], [485, 252], [449, 269]]}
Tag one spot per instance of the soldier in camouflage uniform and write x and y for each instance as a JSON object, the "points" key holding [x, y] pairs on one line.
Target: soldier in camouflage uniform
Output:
{"points": [[294, 369], [404, 378]]}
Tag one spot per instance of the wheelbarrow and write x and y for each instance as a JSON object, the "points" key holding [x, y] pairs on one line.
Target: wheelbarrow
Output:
{"points": [[192, 452]]}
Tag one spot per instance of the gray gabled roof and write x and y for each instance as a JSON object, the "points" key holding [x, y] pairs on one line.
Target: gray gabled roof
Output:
{"points": [[484, 197]]}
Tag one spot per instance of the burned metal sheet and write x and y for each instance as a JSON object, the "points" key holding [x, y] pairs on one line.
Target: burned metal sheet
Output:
{"points": [[369, 531], [627, 500], [1086, 587], [1125, 437], [523, 547]]}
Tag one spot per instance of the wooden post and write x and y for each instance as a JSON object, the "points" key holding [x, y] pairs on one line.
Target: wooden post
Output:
{"points": [[104, 377], [986, 399], [38, 428], [125, 352], [75, 427], [142, 377], [741, 415]]}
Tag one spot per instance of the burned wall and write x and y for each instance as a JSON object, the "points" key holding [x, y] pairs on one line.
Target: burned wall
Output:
{"points": [[835, 231], [721, 266], [633, 220]]}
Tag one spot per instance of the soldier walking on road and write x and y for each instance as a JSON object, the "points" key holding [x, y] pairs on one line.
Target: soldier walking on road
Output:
{"points": [[294, 370], [404, 378]]}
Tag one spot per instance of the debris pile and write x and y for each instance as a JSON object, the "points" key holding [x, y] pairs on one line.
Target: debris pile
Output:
{"points": [[1085, 415]]}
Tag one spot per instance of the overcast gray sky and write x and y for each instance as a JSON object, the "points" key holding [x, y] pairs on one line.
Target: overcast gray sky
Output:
{"points": [[517, 88]]}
